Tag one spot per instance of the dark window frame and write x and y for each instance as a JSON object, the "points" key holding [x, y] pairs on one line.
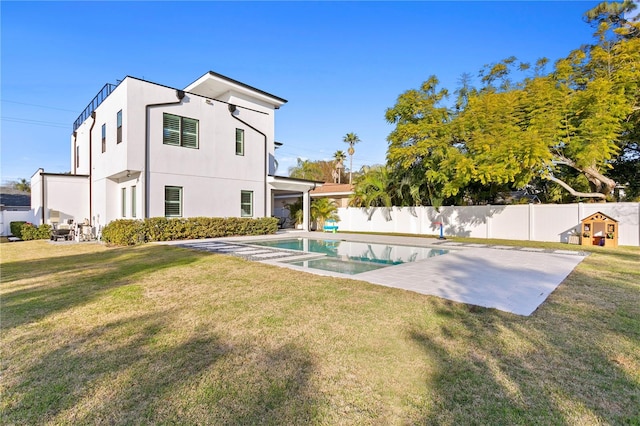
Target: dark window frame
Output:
{"points": [[104, 137], [243, 204], [182, 135], [119, 127], [240, 143], [170, 204]]}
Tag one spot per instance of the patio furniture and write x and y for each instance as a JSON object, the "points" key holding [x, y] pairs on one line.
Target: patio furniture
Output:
{"points": [[330, 226]]}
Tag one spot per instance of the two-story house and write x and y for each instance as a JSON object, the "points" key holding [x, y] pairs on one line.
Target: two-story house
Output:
{"points": [[141, 149]]}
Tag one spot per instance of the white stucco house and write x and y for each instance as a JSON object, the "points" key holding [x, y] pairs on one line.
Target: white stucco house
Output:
{"points": [[142, 149]]}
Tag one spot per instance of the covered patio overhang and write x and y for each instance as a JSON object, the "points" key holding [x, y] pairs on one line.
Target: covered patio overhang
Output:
{"points": [[297, 188]]}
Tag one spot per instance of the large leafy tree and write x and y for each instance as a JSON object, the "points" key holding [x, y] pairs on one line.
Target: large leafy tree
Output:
{"points": [[578, 117], [313, 170]]}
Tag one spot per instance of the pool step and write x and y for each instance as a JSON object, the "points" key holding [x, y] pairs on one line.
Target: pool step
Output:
{"points": [[241, 250]]}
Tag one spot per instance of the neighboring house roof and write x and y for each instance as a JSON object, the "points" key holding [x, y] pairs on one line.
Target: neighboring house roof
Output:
{"points": [[213, 85], [333, 189], [14, 198]]}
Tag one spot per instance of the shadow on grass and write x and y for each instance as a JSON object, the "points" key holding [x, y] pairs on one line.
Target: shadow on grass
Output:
{"points": [[137, 371], [551, 368], [78, 279]]}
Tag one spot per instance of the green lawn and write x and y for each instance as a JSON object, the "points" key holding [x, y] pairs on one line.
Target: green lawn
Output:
{"points": [[158, 334]]}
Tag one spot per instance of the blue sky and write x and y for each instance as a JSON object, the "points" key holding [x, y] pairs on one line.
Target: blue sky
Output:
{"points": [[339, 64]]}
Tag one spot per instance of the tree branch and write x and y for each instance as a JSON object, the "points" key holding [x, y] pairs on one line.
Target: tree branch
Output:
{"points": [[573, 191]]}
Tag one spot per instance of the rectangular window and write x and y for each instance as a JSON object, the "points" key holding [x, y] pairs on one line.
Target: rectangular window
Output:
{"points": [[173, 201], [246, 203], [133, 201], [239, 141], [119, 127], [124, 202], [104, 138], [179, 131], [77, 156]]}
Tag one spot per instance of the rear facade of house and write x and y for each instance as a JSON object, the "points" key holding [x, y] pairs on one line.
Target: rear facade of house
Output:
{"points": [[142, 149]]}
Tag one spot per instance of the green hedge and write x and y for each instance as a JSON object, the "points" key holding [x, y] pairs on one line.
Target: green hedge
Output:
{"points": [[30, 232], [16, 228], [127, 232]]}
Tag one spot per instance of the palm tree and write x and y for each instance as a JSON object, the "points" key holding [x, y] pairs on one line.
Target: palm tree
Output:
{"points": [[351, 139], [22, 185], [372, 189], [323, 209], [339, 156]]}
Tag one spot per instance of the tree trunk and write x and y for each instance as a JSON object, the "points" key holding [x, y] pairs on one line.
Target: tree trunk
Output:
{"points": [[598, 182], [573, 191]]}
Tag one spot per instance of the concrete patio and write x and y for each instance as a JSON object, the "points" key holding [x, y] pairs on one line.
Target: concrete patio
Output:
{"points": [[511, 279]]}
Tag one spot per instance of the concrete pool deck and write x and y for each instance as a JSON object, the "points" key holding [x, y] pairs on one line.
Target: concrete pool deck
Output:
{"points": [[511, 279]]}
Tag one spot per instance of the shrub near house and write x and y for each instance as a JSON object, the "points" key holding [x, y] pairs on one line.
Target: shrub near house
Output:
{"points": [[128, 232]]}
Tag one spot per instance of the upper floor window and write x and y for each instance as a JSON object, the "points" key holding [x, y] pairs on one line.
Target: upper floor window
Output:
{"points": [[173, 201], [119, 127], [246, 203], [179, 131], [104, 138], [77, 156], [239, 141]]}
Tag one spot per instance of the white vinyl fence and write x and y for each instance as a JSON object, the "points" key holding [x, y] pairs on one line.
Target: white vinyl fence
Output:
{"points": [[8, 216], [535, 222]]}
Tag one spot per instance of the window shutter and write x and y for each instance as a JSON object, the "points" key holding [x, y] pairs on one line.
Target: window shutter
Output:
{"points": [[171, 129], [189, 132]]}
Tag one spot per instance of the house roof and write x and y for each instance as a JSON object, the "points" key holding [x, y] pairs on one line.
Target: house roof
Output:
{"points": [[15, 198], [599, 216], [333, 189], [213, 85]]}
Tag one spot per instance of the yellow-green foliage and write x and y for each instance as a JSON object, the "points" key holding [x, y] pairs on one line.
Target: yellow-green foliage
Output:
{"points": [[127, 232], [30, 232]]}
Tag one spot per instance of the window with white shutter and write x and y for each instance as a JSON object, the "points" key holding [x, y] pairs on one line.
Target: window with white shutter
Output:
{"points": [[179, 131], [239, 142], [246, 203], [173, 201]]}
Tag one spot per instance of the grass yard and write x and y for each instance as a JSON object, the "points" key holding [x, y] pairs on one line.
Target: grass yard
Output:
{"points": [[158, 334]]}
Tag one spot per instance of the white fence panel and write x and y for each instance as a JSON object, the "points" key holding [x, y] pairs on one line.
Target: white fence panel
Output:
{"points": [[8, 216], [539, 222]]}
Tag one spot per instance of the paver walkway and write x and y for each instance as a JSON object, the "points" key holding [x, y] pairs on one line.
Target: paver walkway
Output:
{"points": [[511, 279]]}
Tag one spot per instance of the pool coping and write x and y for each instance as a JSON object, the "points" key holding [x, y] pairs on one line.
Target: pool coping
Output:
{"points": [[513, 281]]}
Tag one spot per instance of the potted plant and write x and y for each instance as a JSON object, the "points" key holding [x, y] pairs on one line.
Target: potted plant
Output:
{"points": [[295, 213]]}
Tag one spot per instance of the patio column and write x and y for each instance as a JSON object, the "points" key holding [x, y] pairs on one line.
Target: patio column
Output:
{"points": [[306, 208]]}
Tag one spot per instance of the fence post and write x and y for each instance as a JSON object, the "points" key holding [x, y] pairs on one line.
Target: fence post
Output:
{"points": [[532, 225]]}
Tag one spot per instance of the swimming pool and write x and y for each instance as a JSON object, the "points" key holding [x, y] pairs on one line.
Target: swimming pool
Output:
{"points": [[350, 257]]}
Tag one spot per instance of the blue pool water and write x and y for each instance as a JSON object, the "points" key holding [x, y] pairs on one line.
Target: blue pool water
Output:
{"points": [[351, 257]]}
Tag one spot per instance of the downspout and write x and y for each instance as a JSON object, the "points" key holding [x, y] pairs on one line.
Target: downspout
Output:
{"points": [[73, 153], [232, 109], [42, 190], [309, 193], [93, 115], [147, 174]]}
